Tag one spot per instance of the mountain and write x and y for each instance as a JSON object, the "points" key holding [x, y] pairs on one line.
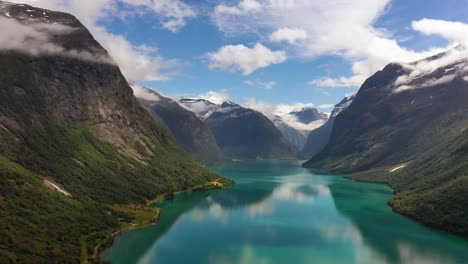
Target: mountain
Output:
{"points": [[309, 114], [407, 127], [73, 141], [294, 136], [242, 133], [189, 131], [296, 125], [318, 138]]}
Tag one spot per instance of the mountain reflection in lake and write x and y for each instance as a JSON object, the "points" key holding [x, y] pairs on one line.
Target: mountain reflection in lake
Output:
{"points": [[281, 213]]}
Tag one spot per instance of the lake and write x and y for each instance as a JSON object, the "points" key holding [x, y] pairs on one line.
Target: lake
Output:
{"points": [[279, 212]]}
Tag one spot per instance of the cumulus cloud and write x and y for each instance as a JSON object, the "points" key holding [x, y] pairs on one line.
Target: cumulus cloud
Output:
{"points": [[289, 35], [144, 93], [136, 63], [245, 59], [37, 39], [338, 27], [455, 31]]}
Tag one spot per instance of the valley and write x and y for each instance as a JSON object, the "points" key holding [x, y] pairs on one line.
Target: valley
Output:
{"points": [[126, 137]]}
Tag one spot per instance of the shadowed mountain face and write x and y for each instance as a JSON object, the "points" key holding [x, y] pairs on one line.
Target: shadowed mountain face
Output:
{"points": [[308, 115], [294, 136], [318, 138], [242, 133], [409, 131], [189, 131], [247, 134], [384, 127], [73, 118]]}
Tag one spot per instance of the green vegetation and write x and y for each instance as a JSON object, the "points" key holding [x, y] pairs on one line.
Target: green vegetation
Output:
{"points": [[41, 226], [135, 215], [418, 130], [189, 131], [433, 190], [79, 124]]}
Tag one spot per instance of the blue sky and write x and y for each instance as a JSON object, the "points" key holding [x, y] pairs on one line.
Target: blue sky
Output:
{"points": [[326, 48]]}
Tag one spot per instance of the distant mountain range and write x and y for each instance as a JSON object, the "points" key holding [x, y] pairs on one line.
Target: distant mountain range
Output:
{"points": [[293, 135], [297, 125], [318, 138], [240, 132], [308, 115], [189, 131], [407, 126]]}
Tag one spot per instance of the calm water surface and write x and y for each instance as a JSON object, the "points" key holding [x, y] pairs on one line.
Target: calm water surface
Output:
{"points": [[281, 213]]}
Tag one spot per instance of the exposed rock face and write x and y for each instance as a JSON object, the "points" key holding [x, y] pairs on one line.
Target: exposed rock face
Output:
{"points": [[189, 131]]}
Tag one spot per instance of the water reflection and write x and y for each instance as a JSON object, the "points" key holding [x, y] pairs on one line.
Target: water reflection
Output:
{"points": [[281, 213], [395, 238]]}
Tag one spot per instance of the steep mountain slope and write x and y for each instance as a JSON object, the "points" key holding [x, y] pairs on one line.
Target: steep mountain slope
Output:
{"points": [[407, 127], [294, 136], [434, 189], [67, 113], [189, 131], [242, 133], [318, 138]]}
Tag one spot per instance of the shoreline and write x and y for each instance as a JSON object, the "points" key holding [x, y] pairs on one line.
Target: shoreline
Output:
{"points": [[217, 184], [356, 177]]}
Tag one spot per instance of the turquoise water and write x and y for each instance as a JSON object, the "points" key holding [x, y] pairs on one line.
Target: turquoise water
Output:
{"points": [[281, 213]]}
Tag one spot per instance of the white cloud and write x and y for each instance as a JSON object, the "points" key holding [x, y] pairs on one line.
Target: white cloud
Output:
{"points": [[245, 59], [266, 108], [144, 93], [259, 83], [215, 97], [429, 83], [289, 35], [36, 39], [245, 6], [204, 109], [284, 111], [337, 27], [136, 63], [454, 31], [456, 57], [325, 106], [338, 82], [173, 13]]}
